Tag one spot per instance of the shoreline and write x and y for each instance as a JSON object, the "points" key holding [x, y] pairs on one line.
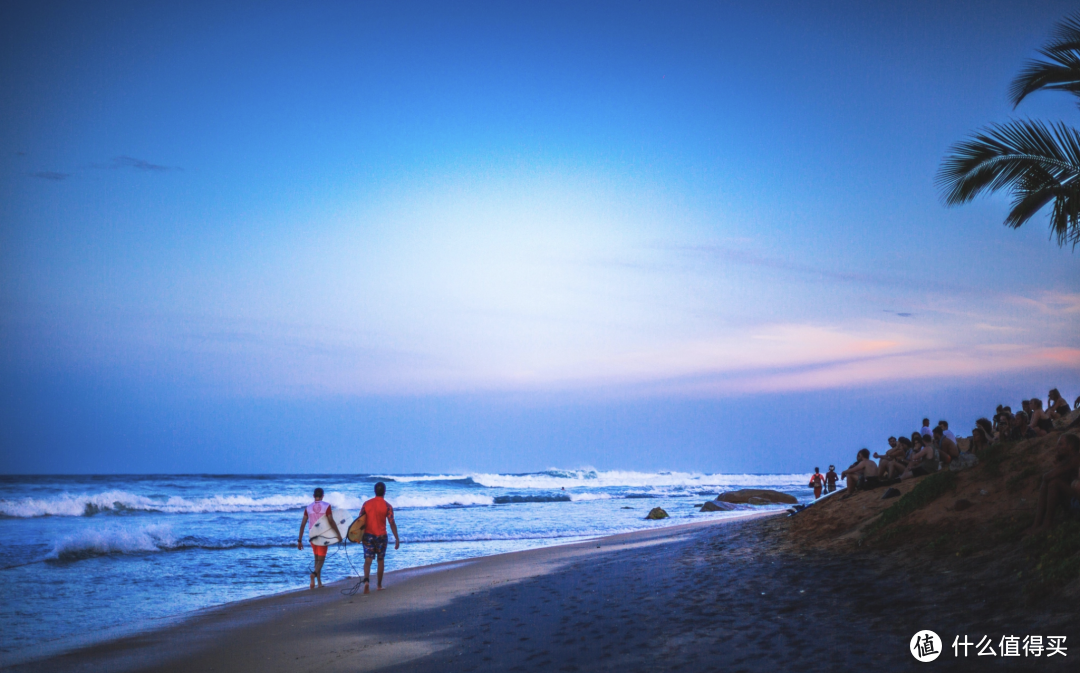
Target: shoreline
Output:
{"points": [[153, 648]]}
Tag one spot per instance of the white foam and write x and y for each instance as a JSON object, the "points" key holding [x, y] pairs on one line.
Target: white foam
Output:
{"points": [[462, 499], [118, 501], [594, 479], [584, 497], [112, 540]]}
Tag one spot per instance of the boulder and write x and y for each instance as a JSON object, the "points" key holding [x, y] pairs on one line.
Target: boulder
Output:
{"points": [[716, 506], [763, 497], [657, 513]]}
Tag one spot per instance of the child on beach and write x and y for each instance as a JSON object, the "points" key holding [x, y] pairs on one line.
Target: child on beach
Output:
{"points": [[817, 482], [377, 512], [313, 513]]}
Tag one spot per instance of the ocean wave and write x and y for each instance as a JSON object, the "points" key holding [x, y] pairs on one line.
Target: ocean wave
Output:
{"points": [[119, 540], [458, 500], [119, 502], [514, 499], [598, 479], [111, 540], [555, 479], [585, 497]]}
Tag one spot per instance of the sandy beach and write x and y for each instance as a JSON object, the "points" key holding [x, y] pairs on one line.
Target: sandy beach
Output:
{"points": [[718, 595]]}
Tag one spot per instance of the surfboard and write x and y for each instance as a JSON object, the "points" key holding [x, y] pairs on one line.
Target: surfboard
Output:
{"points": [[323, 534], [356, 530]]}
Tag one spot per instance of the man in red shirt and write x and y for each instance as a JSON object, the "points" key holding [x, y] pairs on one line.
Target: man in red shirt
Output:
{"points": [[377, 512]]}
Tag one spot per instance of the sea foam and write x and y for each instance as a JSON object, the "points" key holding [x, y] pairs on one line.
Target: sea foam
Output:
{"points": [[112, 540]]}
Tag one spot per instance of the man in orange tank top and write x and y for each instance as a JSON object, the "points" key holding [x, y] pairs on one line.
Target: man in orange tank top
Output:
{"points": [[378, 513]]}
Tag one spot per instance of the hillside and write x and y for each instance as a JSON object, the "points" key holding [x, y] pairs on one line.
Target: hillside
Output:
{"points": [[970, 522]]}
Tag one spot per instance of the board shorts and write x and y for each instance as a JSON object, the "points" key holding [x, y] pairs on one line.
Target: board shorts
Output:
{"points": [[374, 545], [320, 550]]}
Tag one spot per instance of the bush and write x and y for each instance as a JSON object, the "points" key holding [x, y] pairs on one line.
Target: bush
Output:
{"points": [[1056, 555], [994, 455], [924, 493]]}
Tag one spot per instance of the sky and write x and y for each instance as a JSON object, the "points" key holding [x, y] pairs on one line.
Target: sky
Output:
{"points": [[451, 237]]}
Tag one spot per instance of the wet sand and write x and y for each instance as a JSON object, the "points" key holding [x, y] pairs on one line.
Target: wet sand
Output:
{"points": [[716, 595]]}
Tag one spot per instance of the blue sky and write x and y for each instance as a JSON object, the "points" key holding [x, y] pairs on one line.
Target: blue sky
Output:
{"points": [[473, 236]]}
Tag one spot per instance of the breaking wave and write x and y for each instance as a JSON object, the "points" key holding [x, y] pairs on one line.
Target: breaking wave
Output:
{"points": [[456, 500], [594, 479]]}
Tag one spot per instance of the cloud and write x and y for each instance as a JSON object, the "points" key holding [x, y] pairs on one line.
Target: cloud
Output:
{"points": [[140, 165], [55, 176]]}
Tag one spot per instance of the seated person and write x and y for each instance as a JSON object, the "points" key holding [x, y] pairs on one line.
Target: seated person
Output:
{"points": [[861, 472], [893, 462], [1056, 406], [944, 425], [979, 440], [986, 426], [1041, 423], [1019, 428], [947, 449], [1061, 484], [924, 461]]}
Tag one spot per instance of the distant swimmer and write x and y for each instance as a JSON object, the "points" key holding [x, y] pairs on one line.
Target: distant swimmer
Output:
{"points": [[377, 513], [817, 482], [312, 513]]}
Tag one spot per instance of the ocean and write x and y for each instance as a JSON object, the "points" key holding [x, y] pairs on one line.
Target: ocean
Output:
{"points": [[89, 558]]}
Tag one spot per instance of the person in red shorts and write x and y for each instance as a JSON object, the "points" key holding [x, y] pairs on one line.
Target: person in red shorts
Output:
{"points": [[817, 482], [313, 513], [378, 513]]}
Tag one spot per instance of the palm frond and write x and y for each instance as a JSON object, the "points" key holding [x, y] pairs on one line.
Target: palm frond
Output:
{"points": [[1038, 164], [1059, 69], [1066, 35]]}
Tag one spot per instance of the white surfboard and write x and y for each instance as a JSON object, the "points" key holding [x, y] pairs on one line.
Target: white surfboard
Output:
{"points": [[323, 535]]}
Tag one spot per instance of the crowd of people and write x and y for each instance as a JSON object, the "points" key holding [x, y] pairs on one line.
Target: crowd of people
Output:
{"points": [[937, 448]]}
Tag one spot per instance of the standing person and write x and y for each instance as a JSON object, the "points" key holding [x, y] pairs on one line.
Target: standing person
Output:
{"points": [[378, 512], [830, 479], [313, 513], [925, 430], [817, 482]]}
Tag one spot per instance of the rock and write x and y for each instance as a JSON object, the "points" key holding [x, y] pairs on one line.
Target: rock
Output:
{"points": [[890, 493], [765, 496], [961, 504], [657, 513], [624, 507], [758, 501], [716, 506]]}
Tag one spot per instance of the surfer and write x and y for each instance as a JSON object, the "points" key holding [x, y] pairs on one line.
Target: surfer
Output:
{"points": [[817, 482], [313, 513], [377, 513]]}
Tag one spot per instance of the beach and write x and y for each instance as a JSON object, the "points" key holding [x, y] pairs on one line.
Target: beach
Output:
{"points": [[85, 559], [731, 595]]}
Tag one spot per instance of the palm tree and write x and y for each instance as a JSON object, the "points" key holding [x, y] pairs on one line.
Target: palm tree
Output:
{"points": [[1037, 163]]}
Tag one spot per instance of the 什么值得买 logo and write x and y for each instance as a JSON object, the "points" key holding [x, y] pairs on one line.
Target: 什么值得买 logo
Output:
{"points": [[925, 646]]}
